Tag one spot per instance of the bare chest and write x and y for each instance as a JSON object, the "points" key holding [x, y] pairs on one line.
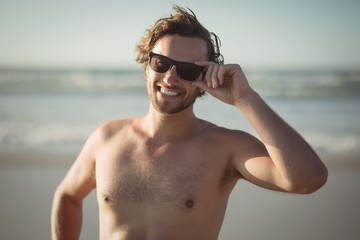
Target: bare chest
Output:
{"points": [[175, 174]]}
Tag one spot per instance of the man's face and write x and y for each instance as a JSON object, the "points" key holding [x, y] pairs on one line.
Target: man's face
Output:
{"points": [[168, 92]]}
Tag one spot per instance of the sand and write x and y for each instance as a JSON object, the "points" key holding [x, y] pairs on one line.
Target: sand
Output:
{"points": [[29, 178]]}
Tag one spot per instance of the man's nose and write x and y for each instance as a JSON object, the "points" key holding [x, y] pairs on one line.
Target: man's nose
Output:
{"points": [[171, 76]]}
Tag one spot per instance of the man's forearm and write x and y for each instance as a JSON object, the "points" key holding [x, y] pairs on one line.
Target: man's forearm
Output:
{"points": [[291, 154], [66, 218]]}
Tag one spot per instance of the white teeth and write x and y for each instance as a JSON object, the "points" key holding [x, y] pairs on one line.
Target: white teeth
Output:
{"points": [[168, 92]]}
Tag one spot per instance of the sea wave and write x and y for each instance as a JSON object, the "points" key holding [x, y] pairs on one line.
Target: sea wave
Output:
{"points": [[69, 81], [43, 136], [269, 84], [306, 84], [72, 136], [60, 108]]}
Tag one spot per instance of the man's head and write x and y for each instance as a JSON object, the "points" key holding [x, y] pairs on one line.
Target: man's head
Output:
{"points": [[183, 23], [170, 91], [178, 40]]}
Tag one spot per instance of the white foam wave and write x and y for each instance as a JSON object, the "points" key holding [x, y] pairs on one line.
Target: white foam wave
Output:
{"points": [[31, 135], [339, 144]]}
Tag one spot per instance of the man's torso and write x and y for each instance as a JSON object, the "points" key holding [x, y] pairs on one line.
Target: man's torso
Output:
{"points": [[169, 190]]}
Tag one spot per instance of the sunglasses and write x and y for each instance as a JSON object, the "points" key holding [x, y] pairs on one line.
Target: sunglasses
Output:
{"points": [[187, 71]]}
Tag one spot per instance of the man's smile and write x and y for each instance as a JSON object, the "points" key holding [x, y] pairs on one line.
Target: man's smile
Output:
{"points": [[168, 91]]}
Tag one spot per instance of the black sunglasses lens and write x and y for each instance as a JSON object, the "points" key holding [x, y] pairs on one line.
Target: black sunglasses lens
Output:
{"points": [[189, 72], [186, 71], [159, 64]]}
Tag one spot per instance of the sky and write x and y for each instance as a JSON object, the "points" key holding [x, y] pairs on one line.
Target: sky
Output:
{"points": [[260, 34]]}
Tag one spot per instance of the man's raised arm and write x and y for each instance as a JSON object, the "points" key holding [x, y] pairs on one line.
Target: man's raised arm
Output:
{"points": [[284, 160]]}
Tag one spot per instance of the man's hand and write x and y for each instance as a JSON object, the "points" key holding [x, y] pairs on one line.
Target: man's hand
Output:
{"points": [[226, 82]]}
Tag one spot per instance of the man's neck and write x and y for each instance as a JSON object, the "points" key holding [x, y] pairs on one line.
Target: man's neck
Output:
{"points": [[165, 127]]}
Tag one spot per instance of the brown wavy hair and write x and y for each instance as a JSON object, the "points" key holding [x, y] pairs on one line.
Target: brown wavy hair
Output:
{"points": [[183, 23]]}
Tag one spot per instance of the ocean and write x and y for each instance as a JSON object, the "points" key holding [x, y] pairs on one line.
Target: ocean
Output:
{"points": [[57, 109], [47, 114]]}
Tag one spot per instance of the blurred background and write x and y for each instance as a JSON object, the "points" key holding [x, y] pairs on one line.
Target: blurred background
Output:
{"points": [[68, 66]]}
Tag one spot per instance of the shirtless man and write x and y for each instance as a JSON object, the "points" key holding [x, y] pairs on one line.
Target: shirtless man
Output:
{"points": [[168, 175]]}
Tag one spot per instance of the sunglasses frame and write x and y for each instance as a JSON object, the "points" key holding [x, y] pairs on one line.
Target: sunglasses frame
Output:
{"points": [[178, 64]]}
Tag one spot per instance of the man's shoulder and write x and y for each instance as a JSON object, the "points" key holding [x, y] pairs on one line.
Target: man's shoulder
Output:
{"points": [[230, 137], [113, 127], [220, 132]]}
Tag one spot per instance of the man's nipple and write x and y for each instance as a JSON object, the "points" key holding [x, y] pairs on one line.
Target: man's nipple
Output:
{"points": [[189, 203], [106, 198]]}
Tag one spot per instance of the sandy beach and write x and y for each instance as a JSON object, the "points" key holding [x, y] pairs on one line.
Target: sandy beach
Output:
{"points": [[28, 180], [66, 67]]}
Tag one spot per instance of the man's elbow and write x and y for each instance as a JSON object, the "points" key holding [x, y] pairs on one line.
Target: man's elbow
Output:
{"points": [[313, 183]]}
